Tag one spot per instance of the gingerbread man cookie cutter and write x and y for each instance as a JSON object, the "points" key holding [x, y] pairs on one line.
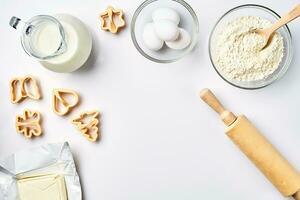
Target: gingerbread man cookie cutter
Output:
{"points": [[28, 123], [21, 88], [112, 19], [63, 105], [87, 123]]}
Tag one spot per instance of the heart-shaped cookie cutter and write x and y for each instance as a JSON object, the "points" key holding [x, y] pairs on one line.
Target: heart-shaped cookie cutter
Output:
{"points": [[28, 123], [108, 17], [89, 129], [24, 83], [59, 101]]}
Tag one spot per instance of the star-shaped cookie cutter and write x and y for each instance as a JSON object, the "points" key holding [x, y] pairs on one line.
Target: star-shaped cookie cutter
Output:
{"points": [[108, 18]]}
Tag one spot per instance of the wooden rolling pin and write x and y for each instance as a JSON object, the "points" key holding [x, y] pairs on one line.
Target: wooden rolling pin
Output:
{"points": [[257, 148]]}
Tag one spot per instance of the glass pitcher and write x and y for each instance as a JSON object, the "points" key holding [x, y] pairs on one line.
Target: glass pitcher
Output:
{"points": [[31, 36], [61, 43]]}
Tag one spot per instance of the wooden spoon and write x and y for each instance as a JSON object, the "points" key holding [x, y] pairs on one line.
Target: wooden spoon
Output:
{"points": [[268, 32]]}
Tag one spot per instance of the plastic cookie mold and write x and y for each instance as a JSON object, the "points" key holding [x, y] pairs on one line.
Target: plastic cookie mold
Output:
{"points": [[64, 101], [87, 123], [21, 88], [112, 19], [28, 123]]}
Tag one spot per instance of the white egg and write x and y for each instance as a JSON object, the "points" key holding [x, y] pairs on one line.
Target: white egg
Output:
{"points": [[166, 13], [183, 40], [166, 30], [150, 39]]}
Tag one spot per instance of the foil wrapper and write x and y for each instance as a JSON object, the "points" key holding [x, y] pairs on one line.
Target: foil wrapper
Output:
{"points": [[46, 159]]}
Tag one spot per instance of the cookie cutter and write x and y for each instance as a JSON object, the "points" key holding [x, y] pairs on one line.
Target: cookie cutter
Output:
{"points": [[87, 123], [108, 19], [21, 88], [62, 105], [28, 123]]}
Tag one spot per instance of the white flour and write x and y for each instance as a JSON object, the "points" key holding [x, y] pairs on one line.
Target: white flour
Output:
{"points": [[238, 51]]}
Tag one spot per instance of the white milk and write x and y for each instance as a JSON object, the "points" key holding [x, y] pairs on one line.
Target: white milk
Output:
{"points": [[46, 39], [78, 41]]}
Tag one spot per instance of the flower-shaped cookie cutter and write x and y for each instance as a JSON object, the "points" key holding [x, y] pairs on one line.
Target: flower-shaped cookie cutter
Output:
{"points": [[28, 123], [21, 88], [112, 19], [61, 104], [87, 123]]}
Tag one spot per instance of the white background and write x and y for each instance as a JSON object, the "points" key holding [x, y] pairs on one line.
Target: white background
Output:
{"points": [[159, 141]]}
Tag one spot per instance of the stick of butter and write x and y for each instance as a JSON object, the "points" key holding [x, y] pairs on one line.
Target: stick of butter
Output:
{"points": [[45, 187]]}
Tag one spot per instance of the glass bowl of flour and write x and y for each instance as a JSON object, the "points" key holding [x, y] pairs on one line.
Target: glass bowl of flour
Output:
{"points": [[237, 52]]}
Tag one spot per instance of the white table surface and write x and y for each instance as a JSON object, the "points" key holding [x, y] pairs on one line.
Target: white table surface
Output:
{"points": [[159, 141]]}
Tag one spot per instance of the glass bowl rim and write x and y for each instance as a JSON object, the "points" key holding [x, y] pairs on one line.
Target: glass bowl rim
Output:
{"points": [[276, 15], [187, 51]]}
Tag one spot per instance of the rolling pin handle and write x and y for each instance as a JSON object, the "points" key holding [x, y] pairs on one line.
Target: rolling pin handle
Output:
{"points": [[208, 97], [296, 196]]}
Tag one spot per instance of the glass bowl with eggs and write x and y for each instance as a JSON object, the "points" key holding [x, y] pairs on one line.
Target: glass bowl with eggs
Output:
{"points": [[238, 54], [164, 30]]}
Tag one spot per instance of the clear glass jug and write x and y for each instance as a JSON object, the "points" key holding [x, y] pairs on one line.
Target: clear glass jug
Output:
{"points": [[61, 43]]}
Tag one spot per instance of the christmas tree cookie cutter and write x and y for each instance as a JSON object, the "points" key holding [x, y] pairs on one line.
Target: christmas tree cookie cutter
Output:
{"points": [[87, 123]]}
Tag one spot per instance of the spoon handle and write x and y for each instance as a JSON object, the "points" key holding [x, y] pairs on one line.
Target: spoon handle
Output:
{"points": [[293, 14]]}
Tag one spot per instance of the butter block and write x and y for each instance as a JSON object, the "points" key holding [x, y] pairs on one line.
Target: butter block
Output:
{"points": [[45, 187]]}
